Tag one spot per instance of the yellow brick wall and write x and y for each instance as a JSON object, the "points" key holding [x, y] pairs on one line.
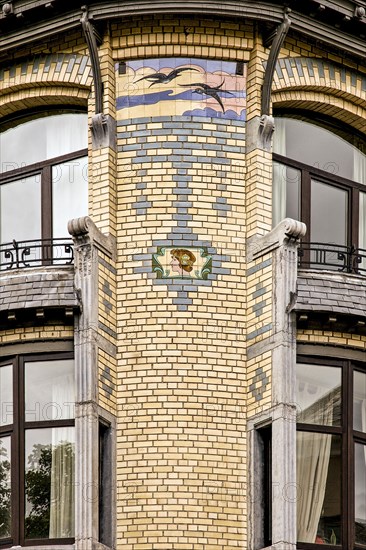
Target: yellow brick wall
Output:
{"points": [[331, 338], [320, 80], [28, 334], [181, 368]]}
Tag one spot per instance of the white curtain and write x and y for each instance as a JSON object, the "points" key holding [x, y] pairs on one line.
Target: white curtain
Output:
{"points": [[62, 513], [362, 227], [359, 166], [363, 422], [312, 463], [279, 174]]}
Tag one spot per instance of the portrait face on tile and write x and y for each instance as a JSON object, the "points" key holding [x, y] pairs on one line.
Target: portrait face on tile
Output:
{"points": [[191, 263]]}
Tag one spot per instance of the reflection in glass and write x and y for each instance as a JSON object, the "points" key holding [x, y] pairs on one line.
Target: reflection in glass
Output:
{"points": [[318, 394], [286, 193], [23, 223], [320, 148], [360, 493], [49, 390], [318, 464], [69, 194], [5, 488], [328, 213], [362, 227], [6, 395], [49, 483], [42, 139], [359, 401]]}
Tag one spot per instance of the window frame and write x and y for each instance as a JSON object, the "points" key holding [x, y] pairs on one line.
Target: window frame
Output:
{"points": [[16, 431], [44, 170], [307, 173], [349, 438]]}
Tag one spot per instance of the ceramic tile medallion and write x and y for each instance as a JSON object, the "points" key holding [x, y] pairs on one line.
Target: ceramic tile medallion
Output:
{"points": [[181, 86], [182, 263]]}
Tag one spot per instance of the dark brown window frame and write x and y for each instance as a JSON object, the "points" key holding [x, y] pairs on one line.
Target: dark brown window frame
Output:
{"points": [[349, 438], [17, 433], [44, 169], [351, 187]]}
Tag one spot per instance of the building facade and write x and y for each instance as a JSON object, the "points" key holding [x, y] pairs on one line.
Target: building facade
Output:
{"points": [[182, 271]]}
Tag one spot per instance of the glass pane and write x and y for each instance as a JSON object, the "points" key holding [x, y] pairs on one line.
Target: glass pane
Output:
{"points": [[359, 401], [41, 139], [69, 194], [5, 488], [328, 213], [6, 395], [49, 483], [318, 394], [49, 390], [318, 147], [286, 193], [20, 210], [362, 229], [318, 466], [360, 493]]}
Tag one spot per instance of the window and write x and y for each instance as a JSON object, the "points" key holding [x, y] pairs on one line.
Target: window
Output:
{"points": [[331, 454], [260, 482], [37, 450], [43, 180], [316, 172], [105, 484]]}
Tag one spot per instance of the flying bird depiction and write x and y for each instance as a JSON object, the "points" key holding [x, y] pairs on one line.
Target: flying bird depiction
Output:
{"points": [[205, 89], [161, 78]]}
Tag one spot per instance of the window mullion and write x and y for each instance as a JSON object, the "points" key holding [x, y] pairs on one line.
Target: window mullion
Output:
{"points": [[347, 457], [14, 461], [305, 200], [18, 453], [354, 217], [46, 186]]}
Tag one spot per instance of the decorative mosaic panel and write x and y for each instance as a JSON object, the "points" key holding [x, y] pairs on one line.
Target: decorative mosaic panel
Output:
{"points": [[182, 263], [181, 86]]}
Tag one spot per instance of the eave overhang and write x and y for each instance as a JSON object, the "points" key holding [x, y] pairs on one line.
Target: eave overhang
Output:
{"points": [[339, 23]]}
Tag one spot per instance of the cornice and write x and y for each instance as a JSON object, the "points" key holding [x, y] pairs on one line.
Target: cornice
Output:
{"points": [[52, 20]]}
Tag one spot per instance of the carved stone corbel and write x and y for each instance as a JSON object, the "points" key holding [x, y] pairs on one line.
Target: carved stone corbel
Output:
{"points": [[103, 127], [265, 131]]}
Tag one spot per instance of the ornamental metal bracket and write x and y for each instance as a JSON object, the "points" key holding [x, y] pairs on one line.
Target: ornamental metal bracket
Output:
{"points": [[277, 38], [102, 126], [90, 37]]}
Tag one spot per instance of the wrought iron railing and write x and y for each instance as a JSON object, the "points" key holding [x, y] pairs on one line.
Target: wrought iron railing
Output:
{"points": [[344, 259], [21, 254]]}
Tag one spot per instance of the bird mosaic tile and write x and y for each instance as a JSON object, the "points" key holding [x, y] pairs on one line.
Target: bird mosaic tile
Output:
{"points": [[181, 86]]}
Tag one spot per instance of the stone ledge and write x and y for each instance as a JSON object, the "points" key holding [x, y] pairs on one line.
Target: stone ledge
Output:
{"points": [[41, 287], [325, 291]]}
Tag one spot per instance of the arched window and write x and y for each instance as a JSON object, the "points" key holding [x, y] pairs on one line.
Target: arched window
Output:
{"points": [[320, 179], [43, 176]]}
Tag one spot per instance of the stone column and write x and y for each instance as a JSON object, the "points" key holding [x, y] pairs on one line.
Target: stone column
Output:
{"points": [[88, 243], [282, 242]]}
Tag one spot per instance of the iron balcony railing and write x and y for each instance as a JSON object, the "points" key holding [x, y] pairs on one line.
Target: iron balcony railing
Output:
{"points": [[21, 254], [344, 259]]}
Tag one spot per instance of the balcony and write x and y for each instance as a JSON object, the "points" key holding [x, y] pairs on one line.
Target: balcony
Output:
{"points": [[35, 253], [333, 257], [331, 288], [37, 283]]}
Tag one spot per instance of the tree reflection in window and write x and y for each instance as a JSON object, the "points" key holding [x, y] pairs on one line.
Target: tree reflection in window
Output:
{"points": [[38, 426], [5, 489], [45, 515]]}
